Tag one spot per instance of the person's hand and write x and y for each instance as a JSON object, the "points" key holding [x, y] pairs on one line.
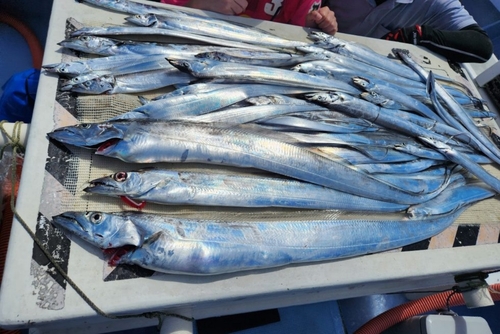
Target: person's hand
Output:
{"points": [[228, 7], [323, 19], [410, 35]]}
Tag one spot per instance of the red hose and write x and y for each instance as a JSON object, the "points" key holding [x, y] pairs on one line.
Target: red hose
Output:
{"points": [[33, 43], [8, 189], [415, 307]]}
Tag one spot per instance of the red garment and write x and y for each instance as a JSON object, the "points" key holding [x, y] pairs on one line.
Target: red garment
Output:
{"points": [[283, 11]]}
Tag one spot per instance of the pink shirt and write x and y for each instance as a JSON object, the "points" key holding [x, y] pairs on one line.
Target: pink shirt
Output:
{"points": [[283, 11]]}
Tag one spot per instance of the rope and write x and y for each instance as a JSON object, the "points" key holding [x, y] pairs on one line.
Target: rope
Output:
{"points": [[15, 142]]}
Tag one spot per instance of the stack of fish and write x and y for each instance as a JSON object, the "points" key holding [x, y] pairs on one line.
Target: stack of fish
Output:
{"points": [[331, 125]]}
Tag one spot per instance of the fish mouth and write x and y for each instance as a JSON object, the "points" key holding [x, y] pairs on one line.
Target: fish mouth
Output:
{"points": [[71, 138], [181, 65], [97, 186], [70, 222]]}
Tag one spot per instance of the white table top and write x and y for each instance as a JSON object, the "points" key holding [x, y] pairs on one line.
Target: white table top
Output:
{"points": [[31, 298]]}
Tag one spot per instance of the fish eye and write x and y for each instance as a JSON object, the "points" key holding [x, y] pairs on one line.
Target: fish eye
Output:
{"points": [[96, 218], [85, 125], [120, 176]]}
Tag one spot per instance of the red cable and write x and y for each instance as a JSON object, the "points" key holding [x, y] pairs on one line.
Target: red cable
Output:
{"points": [[33, 43], [6, 224], [426, 304]]}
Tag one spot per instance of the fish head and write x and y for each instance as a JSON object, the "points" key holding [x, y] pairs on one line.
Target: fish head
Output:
{"points": [[401, 53], [182, 65], [99, 85], [101, 229], [324, 97], [193, 66], [318, 36], [66, 69], [310, 49], [373, 97], [298, 68], [438, 145], [361, 82], [88, 43], [145, 20], [431, 84], [88, 135], [132, 184], [79, 80]]}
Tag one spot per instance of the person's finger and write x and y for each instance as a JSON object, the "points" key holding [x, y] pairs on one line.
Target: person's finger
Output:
{"points": [[328, 21]]}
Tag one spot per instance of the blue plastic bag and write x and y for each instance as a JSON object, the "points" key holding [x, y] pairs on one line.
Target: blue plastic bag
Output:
{"points": [[19, 93]]}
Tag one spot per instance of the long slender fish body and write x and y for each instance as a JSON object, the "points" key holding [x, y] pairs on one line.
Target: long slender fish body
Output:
{"points": [[134, 82], [146, 66], [488, 148], [79, 67], [436, 126], [297, 123], [381, 100], [362, 53], [180, 141], [213, 28], [360, 108], [335, 63], [335, 117], [194, 104], [114, 47], [424, 181], [131, 7], [196, 87], [451, 199], [271, 59], [125, 6], [214, 188], [442, 112], [397, 96], [471, 139], [427, 153], [205, 68], [474, 113], [365, 155], [207, 247], [333, 72], [147, 31], [464, 161], [253, 113], [413, 166], [354, 139]]}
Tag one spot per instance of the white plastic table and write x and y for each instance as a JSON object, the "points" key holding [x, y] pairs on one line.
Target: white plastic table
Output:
{"points": [[31, 297]]}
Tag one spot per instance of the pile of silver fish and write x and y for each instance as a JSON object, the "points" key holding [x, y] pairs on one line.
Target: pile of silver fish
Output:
{"points": [[321, 127]]}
